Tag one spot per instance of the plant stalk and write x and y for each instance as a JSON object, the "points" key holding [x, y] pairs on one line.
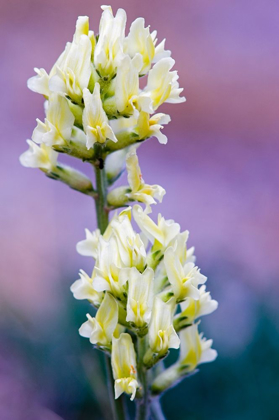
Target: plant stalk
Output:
{"points": [[117, 406], [143, 403], [101, 199]]}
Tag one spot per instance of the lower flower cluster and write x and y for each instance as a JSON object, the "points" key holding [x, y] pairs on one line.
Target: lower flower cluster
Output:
{"points": [[148, 293]]}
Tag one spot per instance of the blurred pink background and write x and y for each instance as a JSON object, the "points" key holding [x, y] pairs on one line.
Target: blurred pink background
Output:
{"points": [[220, 166]]}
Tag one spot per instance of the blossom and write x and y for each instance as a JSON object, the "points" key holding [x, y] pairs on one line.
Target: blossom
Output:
{"points": [[150, 126], [184, 279], [139, 190], [95, 120], [58, 125], [192, 309], [130, 247], [109, 48], [108, 273], [39, 83], [194, 349], [162, 85], [89, 246], [100, 329], [73, 71], [160, 234], [140, 297], [139, 40], [141, 125], [43, 157], [123, 361], [161, 333], [83, 289], [127, 85]]}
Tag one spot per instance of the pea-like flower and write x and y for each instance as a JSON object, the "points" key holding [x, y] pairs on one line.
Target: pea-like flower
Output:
{"points": [[151, 126], [109, 48], [184, 279], [73, 70], [58, 125], [83, 289], [140, 297], [140, 40], [194, 349], [123, 360], [42, 157], [140, 191], [95, 120], [89, 247], [127, 84], [160, 234], [100, 329], [192, 309], [162, 85], [161, 333]]}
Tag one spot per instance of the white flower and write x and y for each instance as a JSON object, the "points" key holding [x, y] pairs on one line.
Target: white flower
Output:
{"points": [[150, 126], [127, 85], [162, 85], [95, 120], [140, 191], [100, 329], [83, 289], [108, 273], [123, 361], [130, 247], [71, 72], [109, 48], [139, 40], [160, 234], [89, 246], [184, 279], [192, 309], [43, 157], [58, 125], [39, 83], [194, 349], [140, 297], [161, 333]]}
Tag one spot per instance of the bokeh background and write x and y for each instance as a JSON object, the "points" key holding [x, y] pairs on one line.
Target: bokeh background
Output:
{"points": [[220, 170]]}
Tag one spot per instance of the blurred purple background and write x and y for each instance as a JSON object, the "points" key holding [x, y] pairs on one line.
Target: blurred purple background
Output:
{"points": [[220, 168]]}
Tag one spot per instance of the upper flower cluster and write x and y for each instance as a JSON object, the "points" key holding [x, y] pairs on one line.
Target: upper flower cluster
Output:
{"points": [[93, 90]]}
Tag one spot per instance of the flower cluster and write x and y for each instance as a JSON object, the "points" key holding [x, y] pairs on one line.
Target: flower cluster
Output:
{"points": [[144, 284], [93, 93], [145, 287]]}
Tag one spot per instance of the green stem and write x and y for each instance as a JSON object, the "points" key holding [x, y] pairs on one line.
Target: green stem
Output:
{"points": [[143, 403], [117, 406], [101, 199]]}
